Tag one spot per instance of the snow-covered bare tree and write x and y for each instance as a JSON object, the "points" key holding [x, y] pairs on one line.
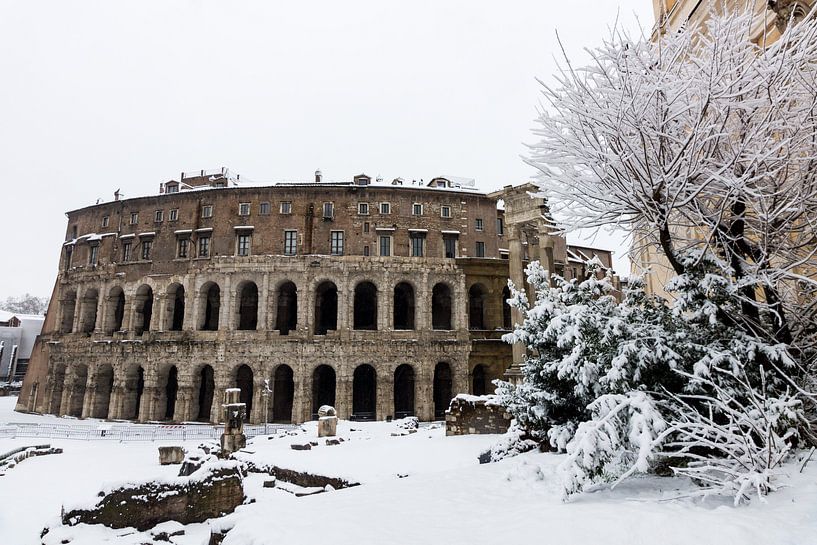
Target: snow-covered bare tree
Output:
{"points": [[25, 304]]}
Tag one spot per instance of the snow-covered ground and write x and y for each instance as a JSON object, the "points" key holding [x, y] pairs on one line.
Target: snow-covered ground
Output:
{"points": [[418, 488]]}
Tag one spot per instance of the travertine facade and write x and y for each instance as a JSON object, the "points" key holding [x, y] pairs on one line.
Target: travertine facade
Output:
{"points": [[382, 300]]}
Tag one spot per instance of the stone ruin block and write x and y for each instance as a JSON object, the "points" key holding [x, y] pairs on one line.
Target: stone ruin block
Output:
{"points": [[327, 421], [171, 455], [468, 415]]}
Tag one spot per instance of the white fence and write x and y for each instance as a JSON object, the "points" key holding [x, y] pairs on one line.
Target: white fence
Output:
{"points": [[125, 432]]}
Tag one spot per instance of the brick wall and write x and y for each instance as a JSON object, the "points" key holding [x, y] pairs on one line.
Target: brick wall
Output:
{"points": [[476, 415]]}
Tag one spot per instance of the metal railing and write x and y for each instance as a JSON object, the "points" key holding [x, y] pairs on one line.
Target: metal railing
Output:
{"points": [[159, 432]]}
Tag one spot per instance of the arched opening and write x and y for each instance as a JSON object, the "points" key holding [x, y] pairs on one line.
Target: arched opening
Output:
{"points": [[479, 385], [134, 388], [326, 308], [144, 309], [90, 303], [323, 388], [104, 387], [364, 393], [404, 391], [69, 304], [248, 306], [476, 307], [442, 389], [210, 304], [403, 306], [116, 310], [243, 380], [171, 389], [506, 308], [286, 316], [283, 394], [80, 380], [441, 307], [57, 385], [365, 311], [174, 316], [207, 387]]}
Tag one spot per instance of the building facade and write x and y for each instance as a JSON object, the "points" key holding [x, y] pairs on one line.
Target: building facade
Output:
{"points": [[382, 299]]}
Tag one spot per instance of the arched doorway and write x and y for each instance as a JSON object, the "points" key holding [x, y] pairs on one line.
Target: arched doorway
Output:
{"points": [[104, 387], [442, 389], [175, 307], [116, 310], [79, 381], [244, 381], [57, 385], [404, 391], [210, 305], [134, 388], [171, 389], [323, 388], [69, 304], [476, 307], [286, 316], [207, 387], [144, 309], [90, 303], [365, 306], [326, 308], [441, 307], [248, 306], [364, 393], [507, 321], [283, 394], [479, 384], [403, 306]]}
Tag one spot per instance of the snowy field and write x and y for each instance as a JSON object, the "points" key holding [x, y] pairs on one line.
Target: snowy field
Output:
{"points": [[415, 489]]}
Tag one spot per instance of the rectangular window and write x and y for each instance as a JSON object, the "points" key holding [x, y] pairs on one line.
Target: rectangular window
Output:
{"points": [[134, 218], [204, 246], [94, 255], [69, 251], [417, 243], [126, 251], [479, 225], [417, 209], [244, 209], [500, 226], [328, 210], [182, 248], [286, 207], [264, 209], [244, 244], [147, 245], [480, 249], [336, 242], [445, 211], [385, 208], [363, 208], [159, 216], [450, 244], [385, 245], [106, 220], [290, 242], [174, 214], [365, 250], [207, 211]]}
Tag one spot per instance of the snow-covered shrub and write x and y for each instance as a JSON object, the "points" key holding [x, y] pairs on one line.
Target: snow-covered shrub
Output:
{"points": [[514, 441]]}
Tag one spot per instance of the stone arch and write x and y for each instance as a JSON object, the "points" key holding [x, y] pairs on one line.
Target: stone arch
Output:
{"points": [[209, 305], [283, 393], [324, 383], [479, 381], [442, 389], [244, 381], [79, 381], [133, 391], [170, 392], [104, 388], [326, 307], [69, 305], [144, 309], [115, 313], [507, 320], [57, 387], [403, 315], [174, 313], [365, 306], [88, 310], [286, 313], [476, 306], [206, 390], [247, 306], [404, 391], [441, 306], [364, 393]]}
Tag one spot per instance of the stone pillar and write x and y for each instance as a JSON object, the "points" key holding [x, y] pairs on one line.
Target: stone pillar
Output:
{"points": [[129, 318], [67, 392], [191, 306], [546, 245], [301, 399], [306, 307], [343, 393], [78, 304], [226, 314], [424, 393], [422, 304], [385, 394], [346, 308], [101, 312], [149, 405], [263, 303], [517, 273], [385, 305], [160, 305], [257, 416], [117, 398], [184, 402]]}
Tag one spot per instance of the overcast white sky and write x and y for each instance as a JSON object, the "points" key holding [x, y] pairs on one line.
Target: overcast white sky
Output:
{"points": [[96, 96]]}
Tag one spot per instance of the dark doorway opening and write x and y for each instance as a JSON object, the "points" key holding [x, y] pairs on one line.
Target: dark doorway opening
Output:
{"points": [[171, 389], [403, 306], [506, 309], [283, 394], [140, 389], [286, 318], [248, 307], [441, 307], [442, 389], [323, 388], [403, 391], [479, 386], [476, 307], [326, 308], [207, 387], [364, 393], [244, 381], [212, 303], [365, 312], [176, 313]]}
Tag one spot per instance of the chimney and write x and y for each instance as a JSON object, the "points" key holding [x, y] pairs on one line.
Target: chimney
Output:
{"points": [[318, 176]]}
